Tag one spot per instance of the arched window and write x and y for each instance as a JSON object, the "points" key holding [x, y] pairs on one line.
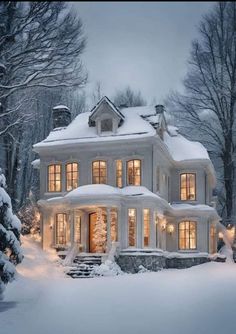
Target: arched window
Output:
{"points": [[188, 187], [134, 172], [54, 177], [61, 227], [72, 175], [99, 172], [187, 235]]}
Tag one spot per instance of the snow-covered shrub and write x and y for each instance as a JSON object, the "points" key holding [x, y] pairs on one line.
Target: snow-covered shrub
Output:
{"points": [[142, 269], [10, 226], [30, 218], [108, 268]]}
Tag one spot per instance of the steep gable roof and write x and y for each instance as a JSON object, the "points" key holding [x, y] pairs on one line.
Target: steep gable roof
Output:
{"points": [[111, 105]]}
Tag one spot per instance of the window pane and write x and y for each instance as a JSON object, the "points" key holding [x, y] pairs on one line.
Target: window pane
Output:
{"points": [[188, 187], [132, 227], [187, 235], [61, 225], [54, 177], [146, 227], [114, 227], [134, 172], [99, 172]]}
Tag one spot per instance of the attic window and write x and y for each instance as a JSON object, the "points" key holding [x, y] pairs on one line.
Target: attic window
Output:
{"points": [[106, 125]]}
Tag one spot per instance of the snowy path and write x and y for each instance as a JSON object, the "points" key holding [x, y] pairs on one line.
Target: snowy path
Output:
{"points": [[199, 300]]}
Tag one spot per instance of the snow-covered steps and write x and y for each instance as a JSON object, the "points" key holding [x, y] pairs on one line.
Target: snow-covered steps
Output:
{"points": [[83, 266]]}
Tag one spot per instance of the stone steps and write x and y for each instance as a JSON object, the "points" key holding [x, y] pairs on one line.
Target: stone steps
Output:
{"points": [[83, 266]]}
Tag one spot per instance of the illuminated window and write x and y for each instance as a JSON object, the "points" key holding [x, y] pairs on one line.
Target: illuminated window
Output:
{"points": [[132, 227], [114, 227], [213, 240], [134, 172], [54, 177], [106, 125], [77, 231], [61, 224], [146, 227], [119, 173], [72, 174], [187, 235], [99, 172], [188, 187]]}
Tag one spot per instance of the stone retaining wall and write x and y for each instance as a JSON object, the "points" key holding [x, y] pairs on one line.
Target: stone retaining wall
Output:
{"points": [[130, 263]]}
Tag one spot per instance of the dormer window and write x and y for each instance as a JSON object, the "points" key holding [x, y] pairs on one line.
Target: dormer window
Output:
{"points": [[106, 125]]}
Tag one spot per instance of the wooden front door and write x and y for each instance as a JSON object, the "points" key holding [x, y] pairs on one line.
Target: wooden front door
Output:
{"points": [[97, 233]]}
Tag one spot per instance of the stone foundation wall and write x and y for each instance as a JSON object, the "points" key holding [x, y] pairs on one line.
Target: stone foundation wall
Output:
{"points": [[130, 263]]}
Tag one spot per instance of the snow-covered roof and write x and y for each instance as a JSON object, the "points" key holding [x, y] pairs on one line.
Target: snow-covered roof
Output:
{"points": [[36, 163], [182, 149], [61, 106], [138, 122], [93, 189]]}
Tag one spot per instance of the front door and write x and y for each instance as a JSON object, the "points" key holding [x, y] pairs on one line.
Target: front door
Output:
{"points": [[97, 232]]}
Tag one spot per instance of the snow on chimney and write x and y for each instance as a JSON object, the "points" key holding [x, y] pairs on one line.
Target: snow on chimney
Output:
{"points": [[61, 116], [159, 109]]}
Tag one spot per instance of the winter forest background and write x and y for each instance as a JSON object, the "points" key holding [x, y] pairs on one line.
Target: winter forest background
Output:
{"points": [[41, 47]]}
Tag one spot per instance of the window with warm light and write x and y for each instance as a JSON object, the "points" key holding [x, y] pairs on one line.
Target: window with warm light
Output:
{"points": [[134, 172], [188, 187], [119, 173], [61, 225], [132, 227], [187, 235], [146, 227], [77, 230], [54, 177], [72, 175], [213, 239], [99, 170], [114, 227]]}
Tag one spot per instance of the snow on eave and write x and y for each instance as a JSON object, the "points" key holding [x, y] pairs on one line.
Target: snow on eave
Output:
{"points": [[36, 163]]}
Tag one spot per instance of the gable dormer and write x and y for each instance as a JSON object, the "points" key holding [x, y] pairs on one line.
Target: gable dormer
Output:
{"points": [[106, 117]]}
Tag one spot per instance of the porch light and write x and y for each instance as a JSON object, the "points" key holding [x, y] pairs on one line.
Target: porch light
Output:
{"points": [[163, 224], [220, 235], [170, 228]]}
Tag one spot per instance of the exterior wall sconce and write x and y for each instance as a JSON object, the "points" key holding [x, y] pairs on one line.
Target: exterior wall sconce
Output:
{"points": [[170, 229], [51, 226], [220, 235]]}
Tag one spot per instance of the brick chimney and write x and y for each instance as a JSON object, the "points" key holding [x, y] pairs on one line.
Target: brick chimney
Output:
{"points": [[61, 116], [159, 109]]}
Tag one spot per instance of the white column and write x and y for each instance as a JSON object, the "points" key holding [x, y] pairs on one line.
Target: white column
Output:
{"points": [[108, 229], [139, 232], [72, 223]]}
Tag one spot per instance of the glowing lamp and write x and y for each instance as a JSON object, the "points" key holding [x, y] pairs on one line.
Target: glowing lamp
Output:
{"points": [[220, 235], [170, 229]]}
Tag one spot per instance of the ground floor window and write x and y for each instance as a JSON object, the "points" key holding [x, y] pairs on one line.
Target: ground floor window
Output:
{"points": [[132, 227], [77, 230], [114, 226], [61, 227], [187, 235], [212, 241], [146, 227]]}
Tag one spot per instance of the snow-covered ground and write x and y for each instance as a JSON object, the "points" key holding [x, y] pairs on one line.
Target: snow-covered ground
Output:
{"points": [[199, 300]]}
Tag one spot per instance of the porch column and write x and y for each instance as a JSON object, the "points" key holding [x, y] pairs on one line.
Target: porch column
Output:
{"points": [[152, 229], [72, 224], [108, 210]]}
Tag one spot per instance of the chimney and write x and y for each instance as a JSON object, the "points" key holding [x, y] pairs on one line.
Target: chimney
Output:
{"points": [[159, 109], [61, 116]]}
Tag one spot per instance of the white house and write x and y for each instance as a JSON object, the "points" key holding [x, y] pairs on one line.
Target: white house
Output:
{"points": [[124, 175]]}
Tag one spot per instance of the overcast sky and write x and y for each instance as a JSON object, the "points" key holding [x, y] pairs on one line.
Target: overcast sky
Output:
{"points": [[142, 44]]}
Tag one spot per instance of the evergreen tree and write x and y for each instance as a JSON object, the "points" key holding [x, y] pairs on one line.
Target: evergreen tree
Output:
{"points": [[10, 225]]}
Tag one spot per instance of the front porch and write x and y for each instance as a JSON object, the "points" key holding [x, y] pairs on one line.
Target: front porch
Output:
{"points": [[92, 229]]}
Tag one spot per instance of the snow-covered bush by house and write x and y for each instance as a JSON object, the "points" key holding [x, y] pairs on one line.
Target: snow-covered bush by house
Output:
{"points": [[10, 226], [108, 268]]}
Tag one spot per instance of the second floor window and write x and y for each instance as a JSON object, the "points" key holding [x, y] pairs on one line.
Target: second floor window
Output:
{"points": [[188, 187], [134, 172], [99, 172], [54, 178], [72, 174], [119, 173]]}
